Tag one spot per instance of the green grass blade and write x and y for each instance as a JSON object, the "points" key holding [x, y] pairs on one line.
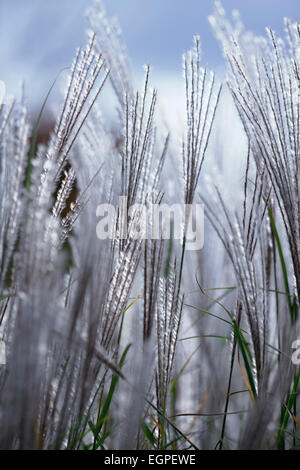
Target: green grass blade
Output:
{"points": [[245, 353], [149, 435], [227, 338], [282, 262], [286, 415], [107, 403], [209, 313]]}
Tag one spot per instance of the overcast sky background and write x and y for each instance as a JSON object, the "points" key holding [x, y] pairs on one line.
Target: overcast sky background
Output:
{"points": [[38, 38]]}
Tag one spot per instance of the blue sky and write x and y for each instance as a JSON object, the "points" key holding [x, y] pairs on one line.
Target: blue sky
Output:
{"points": [[38, 38]]}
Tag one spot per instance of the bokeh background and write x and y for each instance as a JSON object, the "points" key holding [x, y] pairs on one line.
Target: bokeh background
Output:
{"points": [[38, 38]]}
